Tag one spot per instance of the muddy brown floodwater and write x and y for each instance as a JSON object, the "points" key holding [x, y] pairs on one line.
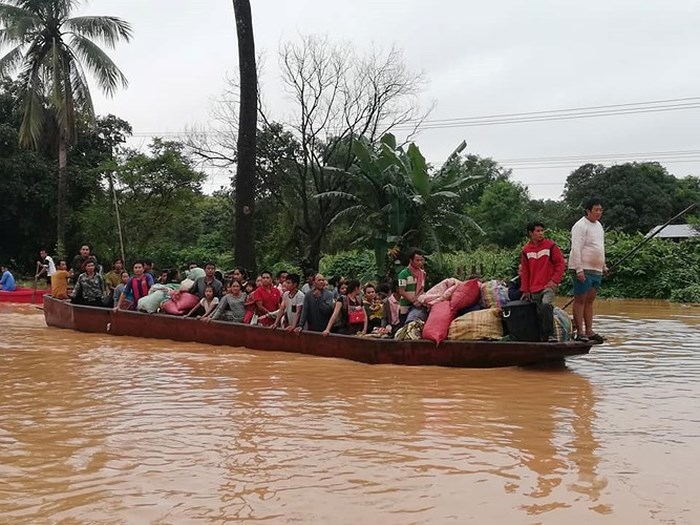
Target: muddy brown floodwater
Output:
{"points": [[97, 429]]}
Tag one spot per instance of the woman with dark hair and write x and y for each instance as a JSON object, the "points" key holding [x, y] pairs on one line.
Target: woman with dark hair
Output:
{"points": [[349, 312]]}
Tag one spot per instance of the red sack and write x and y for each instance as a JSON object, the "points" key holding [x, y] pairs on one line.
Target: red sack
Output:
{"points": [[467, 294], [180, 304], [438, 323]]}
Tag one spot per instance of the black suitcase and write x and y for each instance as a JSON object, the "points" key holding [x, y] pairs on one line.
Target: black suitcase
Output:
{"points": [[520, 321]]}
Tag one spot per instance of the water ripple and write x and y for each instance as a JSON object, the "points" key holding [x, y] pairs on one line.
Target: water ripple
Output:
{"points": [[120, 430]]}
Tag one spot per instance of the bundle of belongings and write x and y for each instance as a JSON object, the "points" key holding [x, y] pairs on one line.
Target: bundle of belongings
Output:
{"points": [[473, 311]]}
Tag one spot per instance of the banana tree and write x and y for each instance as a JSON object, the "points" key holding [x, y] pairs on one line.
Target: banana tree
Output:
{"points": [[396, 200]]}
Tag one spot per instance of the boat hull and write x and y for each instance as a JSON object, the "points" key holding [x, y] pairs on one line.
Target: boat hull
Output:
{"points": [[24, 296], [466, 354]]}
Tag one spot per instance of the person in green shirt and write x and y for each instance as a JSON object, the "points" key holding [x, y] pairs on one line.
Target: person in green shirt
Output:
{"points": [[411, 281], [113, 278]]}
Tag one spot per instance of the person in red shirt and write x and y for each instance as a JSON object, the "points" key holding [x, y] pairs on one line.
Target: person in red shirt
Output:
{"points": [[267, 300], [542, 268]]}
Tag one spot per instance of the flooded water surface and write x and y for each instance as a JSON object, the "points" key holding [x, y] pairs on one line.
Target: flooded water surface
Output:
{"points": [[100, 429]]}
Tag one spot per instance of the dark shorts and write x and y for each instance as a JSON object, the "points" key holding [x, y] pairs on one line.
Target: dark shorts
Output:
{"points": [[593, 280]]}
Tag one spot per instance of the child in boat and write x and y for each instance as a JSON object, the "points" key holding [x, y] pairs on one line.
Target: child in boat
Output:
{"points": [[231, 307], [249, 302], [207, 304], [59, 281]]}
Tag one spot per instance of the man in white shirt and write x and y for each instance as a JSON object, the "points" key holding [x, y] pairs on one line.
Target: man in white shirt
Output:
{"points": [[45, 266], [290, 309], [587, 260]]}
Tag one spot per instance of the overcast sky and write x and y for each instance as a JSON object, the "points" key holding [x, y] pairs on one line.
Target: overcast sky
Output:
{"points": [[480, 58]]}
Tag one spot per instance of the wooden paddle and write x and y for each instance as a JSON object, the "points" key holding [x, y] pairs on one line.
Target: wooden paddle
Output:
{"points": [[35, 282], [640, 244]]}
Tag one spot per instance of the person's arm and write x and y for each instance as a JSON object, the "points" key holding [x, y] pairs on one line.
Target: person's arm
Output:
{"points": [[559, 267], [122, 296], [334, 317], [279, 313], [364, 327], [386, 313], [216, 313], [304, 312], [524, 277], [260, 308], [40, 270], [577, 240]]}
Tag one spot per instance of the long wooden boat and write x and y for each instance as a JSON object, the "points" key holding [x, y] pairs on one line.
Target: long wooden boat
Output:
{"points": [[467, 354], [24, 295]]}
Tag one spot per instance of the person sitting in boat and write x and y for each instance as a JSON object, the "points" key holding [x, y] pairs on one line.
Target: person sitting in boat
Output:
{"points": [[79, 264], [267, 300], [149, 268], [309, 279], [137, 286], [281, 280], [292, 305], [318, 307], [201, 283], [348, 313], [207, 304], [250, 301], [121, 288], [239, 274], [391, 320], [411, 286], [113, 278], [542, 267], [59, 281], [373, 307], [7, 282], [231, 308], [89, 289]]}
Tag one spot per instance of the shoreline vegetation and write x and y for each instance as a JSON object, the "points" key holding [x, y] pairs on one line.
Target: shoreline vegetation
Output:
{"points": [[662, 269]]}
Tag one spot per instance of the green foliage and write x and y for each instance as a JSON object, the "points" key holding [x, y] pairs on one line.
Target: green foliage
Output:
{"points": [[357, 264], [503, 212], [636, 196], [689, 294], [395, 199]]}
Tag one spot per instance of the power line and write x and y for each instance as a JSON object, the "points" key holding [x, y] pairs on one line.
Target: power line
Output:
{"points": [[630, 108]]}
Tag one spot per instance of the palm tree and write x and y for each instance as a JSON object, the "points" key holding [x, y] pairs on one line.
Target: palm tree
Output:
{"points": [[247, 130], [51, 51]]}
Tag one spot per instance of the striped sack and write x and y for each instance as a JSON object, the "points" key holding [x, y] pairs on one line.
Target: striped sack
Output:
{"points": [[482, 324], [493, 293]]}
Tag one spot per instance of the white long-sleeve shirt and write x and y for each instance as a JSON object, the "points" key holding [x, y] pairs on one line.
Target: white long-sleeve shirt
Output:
{"points": [[587, 246]]}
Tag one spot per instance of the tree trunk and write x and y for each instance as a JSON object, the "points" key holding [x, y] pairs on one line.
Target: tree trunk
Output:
{"points": [[62, 204], [247, 128]]}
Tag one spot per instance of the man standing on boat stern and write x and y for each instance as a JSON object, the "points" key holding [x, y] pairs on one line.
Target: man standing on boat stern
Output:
{"points": [[411, 286], [587, 260], [542, 267]]}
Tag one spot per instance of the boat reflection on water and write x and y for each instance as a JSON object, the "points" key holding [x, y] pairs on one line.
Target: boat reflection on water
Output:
{"points": [[448, 434]]}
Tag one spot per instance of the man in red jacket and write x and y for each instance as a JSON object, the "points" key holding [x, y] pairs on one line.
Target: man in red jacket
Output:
{"points": [[542, 267]]}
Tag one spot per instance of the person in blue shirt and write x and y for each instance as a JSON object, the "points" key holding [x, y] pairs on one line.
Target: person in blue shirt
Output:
{"points": [[7, 283]]}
